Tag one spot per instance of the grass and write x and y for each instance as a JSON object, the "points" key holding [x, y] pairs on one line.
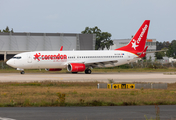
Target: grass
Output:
{"points": [[80, 94]]}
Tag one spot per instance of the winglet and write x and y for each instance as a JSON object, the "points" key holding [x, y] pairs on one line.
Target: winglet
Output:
{"points": [[61, 48]]}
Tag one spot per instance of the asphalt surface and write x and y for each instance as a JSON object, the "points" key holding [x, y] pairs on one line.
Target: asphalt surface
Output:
{"points": [[81, 77], [167, 112]]}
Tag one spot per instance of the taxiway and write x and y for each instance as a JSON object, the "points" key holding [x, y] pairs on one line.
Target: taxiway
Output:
{"points": [[81, 77]]}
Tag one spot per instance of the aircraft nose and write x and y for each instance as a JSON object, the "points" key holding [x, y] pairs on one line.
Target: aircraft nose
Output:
{"points": [[10, 62]]}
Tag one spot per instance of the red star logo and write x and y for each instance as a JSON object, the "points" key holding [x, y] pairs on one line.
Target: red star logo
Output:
{"points": [[37, 56]]}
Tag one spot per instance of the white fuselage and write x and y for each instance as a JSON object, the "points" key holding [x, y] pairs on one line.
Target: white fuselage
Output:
{"points": [[60, 59]]}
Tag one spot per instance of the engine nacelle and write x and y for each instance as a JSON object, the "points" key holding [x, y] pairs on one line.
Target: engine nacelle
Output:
{"points": [[53, 69], [76, 67]]}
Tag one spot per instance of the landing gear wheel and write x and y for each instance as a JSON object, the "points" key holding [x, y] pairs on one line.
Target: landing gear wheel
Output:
{"points": [[22, 72], [88, 71]]}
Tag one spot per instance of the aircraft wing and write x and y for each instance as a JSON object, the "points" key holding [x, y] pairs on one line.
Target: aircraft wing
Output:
{"points": [[96, 63], [153, 51], [101, 63], [156, 51], [143, 53]]}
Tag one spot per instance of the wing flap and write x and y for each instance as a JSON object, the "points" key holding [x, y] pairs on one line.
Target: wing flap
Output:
{"points": [[101, 63]]}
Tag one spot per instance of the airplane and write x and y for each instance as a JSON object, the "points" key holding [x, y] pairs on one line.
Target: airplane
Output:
{"points": [[83, 61]]}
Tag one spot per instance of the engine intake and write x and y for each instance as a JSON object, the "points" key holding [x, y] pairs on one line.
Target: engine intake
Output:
{"points": [[76, 67]]}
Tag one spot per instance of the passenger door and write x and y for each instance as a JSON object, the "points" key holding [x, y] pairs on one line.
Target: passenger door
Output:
{"points": [[29, 58]]}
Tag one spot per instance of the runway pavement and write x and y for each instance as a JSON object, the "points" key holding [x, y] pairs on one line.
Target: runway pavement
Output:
{"points": [[81, 77], [167, 112]]}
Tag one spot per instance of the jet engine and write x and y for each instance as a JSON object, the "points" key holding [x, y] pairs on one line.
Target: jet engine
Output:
{"points": [[76, 67], [53, 69]]}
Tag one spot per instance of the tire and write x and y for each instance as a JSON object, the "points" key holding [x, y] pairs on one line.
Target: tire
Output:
{"points": [[86, 71], [89, 71], [22, 72]]}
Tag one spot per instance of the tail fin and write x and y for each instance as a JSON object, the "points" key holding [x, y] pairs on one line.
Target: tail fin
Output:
{"points": [[137, 43]]}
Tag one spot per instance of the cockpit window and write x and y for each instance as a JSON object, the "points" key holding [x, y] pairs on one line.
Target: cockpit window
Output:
{"points": [[16, 57]]}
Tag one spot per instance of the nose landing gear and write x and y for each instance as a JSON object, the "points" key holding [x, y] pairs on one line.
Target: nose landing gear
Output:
{"points": [[22, 70]]}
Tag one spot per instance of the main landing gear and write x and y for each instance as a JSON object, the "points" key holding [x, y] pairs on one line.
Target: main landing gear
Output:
{"points": [[22, 72], [88, 71]]}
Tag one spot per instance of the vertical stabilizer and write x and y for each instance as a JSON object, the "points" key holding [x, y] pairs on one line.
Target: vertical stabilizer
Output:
{"points": [[137, 43]]}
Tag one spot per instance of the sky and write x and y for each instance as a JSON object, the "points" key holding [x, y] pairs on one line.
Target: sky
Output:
{"points": [[121, 18]]}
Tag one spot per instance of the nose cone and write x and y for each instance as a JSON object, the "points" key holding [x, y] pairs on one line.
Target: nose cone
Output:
{"points": [[10, 62]]}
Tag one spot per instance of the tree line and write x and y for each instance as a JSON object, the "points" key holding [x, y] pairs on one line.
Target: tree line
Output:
{"points": [[169, 47], [6, 30], [103, 39]]}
